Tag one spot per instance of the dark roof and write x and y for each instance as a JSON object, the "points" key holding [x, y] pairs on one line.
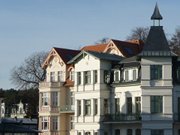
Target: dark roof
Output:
{"points": [[156, 14], [99, 55], [156, 43], [105, 56], [128, 49], [12, 125], [131, 59], [66, 54]]}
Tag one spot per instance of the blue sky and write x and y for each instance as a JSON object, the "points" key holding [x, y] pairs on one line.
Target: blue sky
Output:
{"points": [[28, 26]]}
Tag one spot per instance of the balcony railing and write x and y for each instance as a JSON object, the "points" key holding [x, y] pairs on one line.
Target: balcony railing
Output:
{"points": [[51, 84], [121, 117], [67, 108]]}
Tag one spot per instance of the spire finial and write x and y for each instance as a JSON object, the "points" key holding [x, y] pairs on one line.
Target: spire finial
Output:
{"points": [[156, 15]]}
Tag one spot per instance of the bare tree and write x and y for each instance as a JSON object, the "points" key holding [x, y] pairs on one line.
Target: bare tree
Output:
{"points": [[139, 33], [175, 41], [103, 41], [30, 73]]}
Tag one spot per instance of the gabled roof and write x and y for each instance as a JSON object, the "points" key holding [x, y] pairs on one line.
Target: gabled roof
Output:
{"points": [[96, 48], [99, 55], [128, 49], [64, 54]]}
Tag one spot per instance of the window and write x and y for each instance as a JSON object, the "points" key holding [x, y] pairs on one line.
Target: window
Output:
{"points": [[178, 74], [87, 107], [129, 105], [71, 122], [45, 99], [87, 133], [117, 131], [60, 76], [79, 133], [45, 123], [71, 75], [126, 76], [106, 76], [138, 132], [156, 104], [78, 78], [157, 132], [95, 133], [54, 98], [55, 123], [116, 76], [156, 72], [87, 77], [52, 76], [95, 106], [95, 76], [117, 105], [105, 106], [79, 107], [129, 131], [72, 98], [138, 104], [134, 75]]}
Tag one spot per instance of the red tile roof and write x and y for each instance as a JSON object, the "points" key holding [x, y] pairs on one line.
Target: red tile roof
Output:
{"points": [[66, 54], [96, 48]]}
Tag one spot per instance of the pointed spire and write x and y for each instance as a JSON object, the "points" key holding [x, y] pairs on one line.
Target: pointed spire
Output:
{"points": [[156, 15]]}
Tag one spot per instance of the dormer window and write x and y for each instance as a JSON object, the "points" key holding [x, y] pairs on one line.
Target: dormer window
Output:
{"points": [[126, 75], [130, 74], [116, 76], [134, 75]]}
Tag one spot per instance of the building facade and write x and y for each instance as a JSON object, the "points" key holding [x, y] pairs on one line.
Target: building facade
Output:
{"points": [[118, 88]]}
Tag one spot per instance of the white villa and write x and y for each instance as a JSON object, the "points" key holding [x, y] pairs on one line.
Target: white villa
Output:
{"points": [[118, 88]]}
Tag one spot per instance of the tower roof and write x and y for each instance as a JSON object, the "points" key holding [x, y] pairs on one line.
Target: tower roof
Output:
{"points": [[156, 43], [156, 14]]}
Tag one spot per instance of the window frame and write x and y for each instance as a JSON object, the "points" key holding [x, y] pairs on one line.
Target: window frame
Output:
{"points": [[45, 123], [54, 99], [156, 72], [129, 105], [87, 77], [95, 76], [79, 78], [87, 106], [157, 132], [156, 104], [55, 124], [52, 77]]}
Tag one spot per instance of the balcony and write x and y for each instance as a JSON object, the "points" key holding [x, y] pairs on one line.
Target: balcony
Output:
{"points": [[51, 84], [121, 118], [49, 109], [67, 109]]}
